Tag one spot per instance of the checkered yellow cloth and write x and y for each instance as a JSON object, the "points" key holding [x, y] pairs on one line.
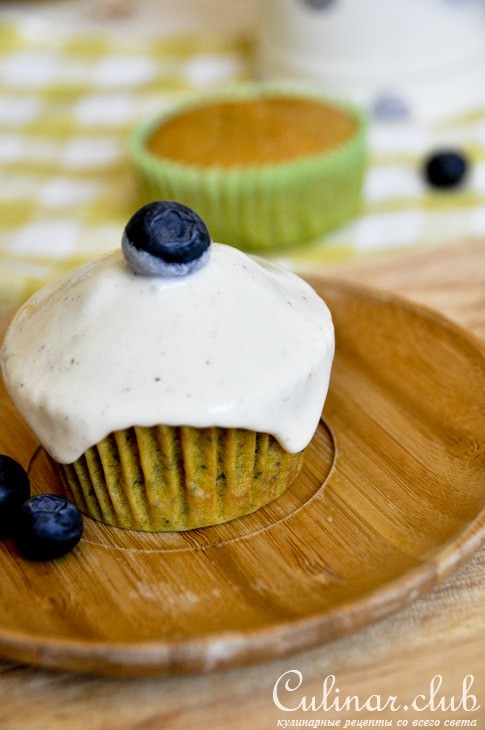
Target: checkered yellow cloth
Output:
{"points": [[68, 101]]}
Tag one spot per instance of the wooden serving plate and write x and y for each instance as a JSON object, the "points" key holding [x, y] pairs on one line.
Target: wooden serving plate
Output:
{"points": [[392, 499]]}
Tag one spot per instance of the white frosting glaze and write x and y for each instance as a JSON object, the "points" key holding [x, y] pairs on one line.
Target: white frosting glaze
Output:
{"points": [[239, 343]]}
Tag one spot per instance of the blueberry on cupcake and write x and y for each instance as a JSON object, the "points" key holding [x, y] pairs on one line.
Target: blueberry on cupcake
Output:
{"points": [[165, 238]]}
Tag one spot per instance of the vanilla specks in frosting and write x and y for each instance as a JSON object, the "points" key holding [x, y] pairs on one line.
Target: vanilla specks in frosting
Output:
{"points": [[236, 342]]}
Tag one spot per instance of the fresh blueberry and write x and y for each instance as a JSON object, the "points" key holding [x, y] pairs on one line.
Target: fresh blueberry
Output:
{"points": [[445, 169], [165, 239], [389, 107], [318, 4], [48, 526], [14, 490]]}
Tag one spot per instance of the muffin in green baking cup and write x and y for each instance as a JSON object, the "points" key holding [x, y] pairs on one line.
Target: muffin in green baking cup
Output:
{"points": [[176, 382], [266, 166], [168, 478]]}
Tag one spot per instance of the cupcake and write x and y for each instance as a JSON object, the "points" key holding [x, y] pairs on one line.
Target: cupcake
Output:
{"points": [[265, 166], [175, 383]]}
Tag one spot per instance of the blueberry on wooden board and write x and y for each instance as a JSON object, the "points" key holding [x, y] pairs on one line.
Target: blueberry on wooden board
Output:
{"points": [[14, 490], [48, 527], [165, 238]]}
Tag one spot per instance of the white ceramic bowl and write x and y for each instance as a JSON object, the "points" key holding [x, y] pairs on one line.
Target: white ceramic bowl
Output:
{"points": [[424, 58]]}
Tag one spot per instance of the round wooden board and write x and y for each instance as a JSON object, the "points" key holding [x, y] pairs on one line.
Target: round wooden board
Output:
{"points": [[392, 498]]}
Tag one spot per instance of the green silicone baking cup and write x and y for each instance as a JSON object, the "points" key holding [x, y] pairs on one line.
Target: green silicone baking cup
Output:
{"points": [[260, 207]]}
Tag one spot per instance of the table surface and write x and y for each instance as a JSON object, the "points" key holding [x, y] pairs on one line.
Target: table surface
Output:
{"points": [[45, 161], [70, 98], [441, 634]]}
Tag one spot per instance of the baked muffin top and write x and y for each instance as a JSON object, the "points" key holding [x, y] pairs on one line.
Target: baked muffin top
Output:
{"points": [[251, 132]]}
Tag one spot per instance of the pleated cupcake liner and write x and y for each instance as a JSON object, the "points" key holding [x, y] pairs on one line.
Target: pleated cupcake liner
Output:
{"points": [[168, 478], [261, 207]]}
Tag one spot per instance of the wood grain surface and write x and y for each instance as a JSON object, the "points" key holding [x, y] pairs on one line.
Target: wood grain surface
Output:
{"points": [[440, 634], [391, 499]]}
